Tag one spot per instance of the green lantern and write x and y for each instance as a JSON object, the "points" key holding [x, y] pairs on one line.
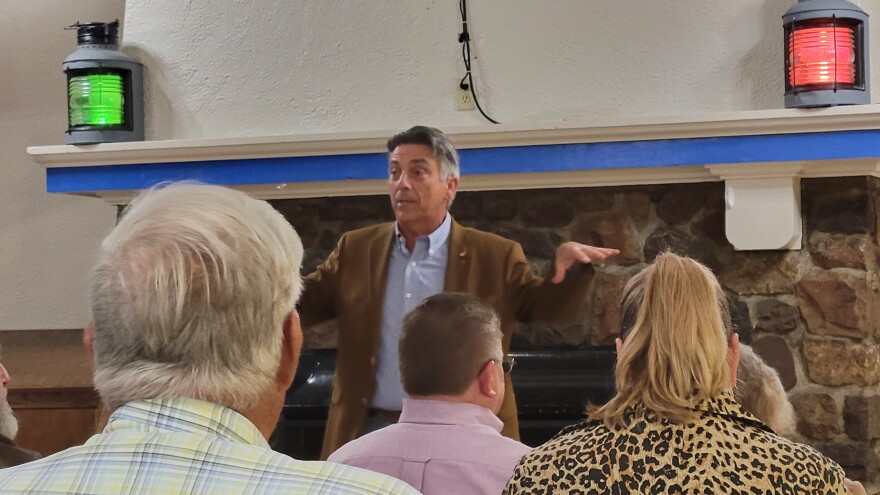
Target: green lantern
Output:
{"points": [[104, 88], [96, 100]]}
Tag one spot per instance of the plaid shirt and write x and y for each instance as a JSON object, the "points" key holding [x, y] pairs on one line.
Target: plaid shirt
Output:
{"points": [[185, 446]]}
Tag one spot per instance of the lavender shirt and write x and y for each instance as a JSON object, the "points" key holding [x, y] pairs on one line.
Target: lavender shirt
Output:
{"points": [[439, 447]]}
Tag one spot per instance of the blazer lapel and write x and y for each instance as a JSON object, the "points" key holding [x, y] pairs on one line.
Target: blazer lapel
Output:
{"points": [[458, 260], [379, 254]]}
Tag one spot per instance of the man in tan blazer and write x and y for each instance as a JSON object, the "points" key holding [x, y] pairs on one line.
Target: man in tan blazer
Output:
{"points": [[377, 274]]}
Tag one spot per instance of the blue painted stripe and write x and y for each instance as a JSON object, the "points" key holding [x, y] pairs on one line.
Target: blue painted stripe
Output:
{"points": [[515, 159], [222, 172]]}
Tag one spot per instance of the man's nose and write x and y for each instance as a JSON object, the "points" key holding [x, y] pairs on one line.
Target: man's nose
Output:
{"points": [[403, 182], [4, 375]]}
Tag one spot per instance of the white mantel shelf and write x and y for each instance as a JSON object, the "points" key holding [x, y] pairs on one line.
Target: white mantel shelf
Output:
{"points": [[761, 156]]}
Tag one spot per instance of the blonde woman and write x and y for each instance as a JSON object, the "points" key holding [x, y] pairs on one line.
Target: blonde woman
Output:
{"points": [[674, 425]]}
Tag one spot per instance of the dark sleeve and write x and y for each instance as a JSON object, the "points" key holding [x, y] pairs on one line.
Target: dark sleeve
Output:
{"points": [[11, 455], [318, 301], [538, 298]]}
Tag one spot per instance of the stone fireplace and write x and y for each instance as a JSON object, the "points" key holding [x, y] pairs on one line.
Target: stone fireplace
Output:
{"points": [[811, 313]]}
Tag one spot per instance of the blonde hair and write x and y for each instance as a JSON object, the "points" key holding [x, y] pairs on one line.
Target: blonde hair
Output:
{"points": [[189, 296], [675, 348]]}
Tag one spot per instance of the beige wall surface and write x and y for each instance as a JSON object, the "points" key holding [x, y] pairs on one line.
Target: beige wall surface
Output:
{"points": [[47, 241], [218, 68]]}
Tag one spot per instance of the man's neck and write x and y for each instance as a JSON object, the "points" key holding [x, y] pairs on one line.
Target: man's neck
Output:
{"points": [[412, 232], [265, 415], [459, 399]]}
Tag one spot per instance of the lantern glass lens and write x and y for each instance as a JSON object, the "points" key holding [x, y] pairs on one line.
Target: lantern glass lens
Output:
{"points": [[95, 100], [822, 55]]}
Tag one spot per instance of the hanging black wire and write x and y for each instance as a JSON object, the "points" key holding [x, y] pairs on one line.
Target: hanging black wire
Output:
{"points": [[465, 39]]}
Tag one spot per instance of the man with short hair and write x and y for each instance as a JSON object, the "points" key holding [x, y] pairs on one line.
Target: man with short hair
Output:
{"points": [[195, 341], [378, 274], [10, 453], [448, 438]]}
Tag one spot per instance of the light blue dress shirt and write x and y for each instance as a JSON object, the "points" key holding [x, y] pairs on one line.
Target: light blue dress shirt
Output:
{"points": [[412, 277]]}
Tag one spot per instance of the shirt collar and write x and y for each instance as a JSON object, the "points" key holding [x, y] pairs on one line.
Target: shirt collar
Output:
{"points": [[722, 405], [725, 405], [436, 239], [185, 415], [444, 412]]}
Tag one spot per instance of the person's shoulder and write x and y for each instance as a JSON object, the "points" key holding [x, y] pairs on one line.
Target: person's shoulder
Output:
{"points": [[325, 477], [512, 449], [806, 454], [368, 445], [797, 464], [552, 464], [578, 433], [481, 237], [42, 472], [231, 464], [332, 477], [366, 233]]}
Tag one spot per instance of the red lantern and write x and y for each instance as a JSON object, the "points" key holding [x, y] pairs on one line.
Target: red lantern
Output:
{"points": [[826, 54]]}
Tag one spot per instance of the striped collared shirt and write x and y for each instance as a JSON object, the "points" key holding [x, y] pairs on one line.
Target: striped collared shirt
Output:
{"points": [[185, 446], [412, 277]]}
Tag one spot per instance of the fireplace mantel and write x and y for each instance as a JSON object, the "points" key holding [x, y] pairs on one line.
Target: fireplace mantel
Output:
{"points": [[760, 155]]}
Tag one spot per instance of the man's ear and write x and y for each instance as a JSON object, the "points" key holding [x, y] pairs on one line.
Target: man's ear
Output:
{"points": [[733, 357], [452, 184], [291, 345], [488, 379]]}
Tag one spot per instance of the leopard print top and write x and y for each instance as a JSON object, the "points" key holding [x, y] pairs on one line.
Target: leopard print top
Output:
{"points": [[725, 450]]}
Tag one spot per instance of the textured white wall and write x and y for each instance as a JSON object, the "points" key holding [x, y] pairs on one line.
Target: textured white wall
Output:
{"points": [[47, 241], [235, 68]]}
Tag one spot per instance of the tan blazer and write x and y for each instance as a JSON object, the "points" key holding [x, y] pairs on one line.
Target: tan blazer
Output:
{"points": [[350, 286]]}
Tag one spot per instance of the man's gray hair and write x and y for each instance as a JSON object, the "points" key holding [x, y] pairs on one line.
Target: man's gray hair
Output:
{"points": [[442, 148], [189, 295]]}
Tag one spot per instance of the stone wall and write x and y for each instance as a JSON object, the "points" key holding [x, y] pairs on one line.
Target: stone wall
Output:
{"points": [[813, 313]]}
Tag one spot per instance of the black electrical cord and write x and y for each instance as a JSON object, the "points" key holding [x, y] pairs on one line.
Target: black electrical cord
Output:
{"points": [[465, 39]]}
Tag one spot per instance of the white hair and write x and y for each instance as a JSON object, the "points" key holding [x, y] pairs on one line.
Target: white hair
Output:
{"points": [[189, 296], [760, 392], [8, 423]]}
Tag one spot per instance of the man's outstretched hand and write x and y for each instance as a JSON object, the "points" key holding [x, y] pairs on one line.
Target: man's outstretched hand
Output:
{"points": [[569, 253]]}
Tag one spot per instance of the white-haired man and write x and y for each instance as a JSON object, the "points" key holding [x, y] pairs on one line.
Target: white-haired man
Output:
{"points": [[10, 453], [195, 341], [448, 439]]}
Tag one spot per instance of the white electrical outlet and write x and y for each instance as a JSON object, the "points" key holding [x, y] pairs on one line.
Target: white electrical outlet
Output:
{"points": [[464, 99]]}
